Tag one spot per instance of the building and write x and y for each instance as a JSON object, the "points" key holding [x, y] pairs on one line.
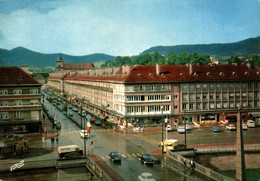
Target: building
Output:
{"points": [[147, 93], [20, 102]]}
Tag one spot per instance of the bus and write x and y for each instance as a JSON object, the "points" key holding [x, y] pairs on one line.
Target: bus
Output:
{"points": [[69, 151]]}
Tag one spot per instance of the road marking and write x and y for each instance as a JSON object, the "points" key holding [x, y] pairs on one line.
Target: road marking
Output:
{"points": [[134, 155], [103, 157], [128, 155], [138, 154], [123, 156]]}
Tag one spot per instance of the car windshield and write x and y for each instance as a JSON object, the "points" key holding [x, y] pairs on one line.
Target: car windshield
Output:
{"points": [[114, 153], [147, 155]]}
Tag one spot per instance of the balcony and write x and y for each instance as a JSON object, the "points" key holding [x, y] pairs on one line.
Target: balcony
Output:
{"points": [[21, 108]]}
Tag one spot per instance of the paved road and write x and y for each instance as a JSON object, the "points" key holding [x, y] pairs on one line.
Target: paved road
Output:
{"points": [[106, 140]]}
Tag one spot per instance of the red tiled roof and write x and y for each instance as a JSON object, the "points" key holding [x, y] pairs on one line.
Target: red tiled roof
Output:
{"points": [[180, 73], [177, 73], [15, 75], [77, 66]]}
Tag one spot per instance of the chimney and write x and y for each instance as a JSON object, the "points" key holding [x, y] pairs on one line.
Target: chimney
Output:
{"points": [[157, 66], [248, 65], [190, 69]]}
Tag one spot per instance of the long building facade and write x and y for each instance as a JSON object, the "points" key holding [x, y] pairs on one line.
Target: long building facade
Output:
{"points": [[20, 102], [146, 94]]}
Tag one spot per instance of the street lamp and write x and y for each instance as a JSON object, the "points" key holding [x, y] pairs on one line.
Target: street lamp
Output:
{"points": [[162, 128], [84, 132], [184, 128]]}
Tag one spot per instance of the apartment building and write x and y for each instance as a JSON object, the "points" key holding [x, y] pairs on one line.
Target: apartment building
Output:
{"points": [[142, 94], [20, 102]]}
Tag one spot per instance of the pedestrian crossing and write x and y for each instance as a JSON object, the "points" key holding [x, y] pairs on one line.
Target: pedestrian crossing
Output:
{"points": [[78, 131], [127, 155]]}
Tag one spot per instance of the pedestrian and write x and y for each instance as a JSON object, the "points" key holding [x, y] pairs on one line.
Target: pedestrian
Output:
{"points": [[192, 166], [57, 139], [184, 164]]}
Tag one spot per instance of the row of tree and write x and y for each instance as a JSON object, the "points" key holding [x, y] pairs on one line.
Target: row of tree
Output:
{"points": [[175, 59]]}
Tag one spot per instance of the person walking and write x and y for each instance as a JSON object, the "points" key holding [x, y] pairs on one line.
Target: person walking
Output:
{"points": [[192, 166], [57, 139], [185, 165]]}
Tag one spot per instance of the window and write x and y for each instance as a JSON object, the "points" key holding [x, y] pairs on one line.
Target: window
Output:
{"points": [[198, 88], [18, 102], [218, 87], [211, 105], [218, 96], [205, 87], [184, 87], [211, 87], [225, 86], [191, 87], [191, 106], [198, 98], [218, 105], [191, 97], [211, 96], [198, 106], [33, 91], [237, 86], [18, 114], [17, 91], [175, 107], [175, 96], [224, 95], [205, 106], [3, 92], [4, 115], [4, 103], [184, 106], [184, 97], [204, 96], [244, 86]]}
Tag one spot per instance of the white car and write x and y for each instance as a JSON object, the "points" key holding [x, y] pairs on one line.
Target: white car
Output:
{"points": [[250, 123], [169, 128], [231, 127], [244, 126], [146, 176], [86, 134], [181, 129]]}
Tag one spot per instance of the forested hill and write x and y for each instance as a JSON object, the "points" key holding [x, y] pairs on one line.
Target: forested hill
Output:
{"points": [[22, 56], [245, 47]]}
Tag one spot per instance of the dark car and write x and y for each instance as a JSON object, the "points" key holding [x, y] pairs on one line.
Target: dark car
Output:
{"points": [[215, 129], [146, 158], [114, 156]]}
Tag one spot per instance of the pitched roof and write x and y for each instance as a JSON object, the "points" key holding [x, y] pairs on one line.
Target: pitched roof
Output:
{"points": [[175, 73], [184, 73], [14, 76]]}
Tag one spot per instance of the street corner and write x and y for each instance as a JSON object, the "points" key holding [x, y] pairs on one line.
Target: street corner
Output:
{"points": [[156, 152]]}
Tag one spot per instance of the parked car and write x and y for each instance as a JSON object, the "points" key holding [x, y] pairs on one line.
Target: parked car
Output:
{"points": [[146, 158], [97, 122], [146, 176], [250, 123], [86, 134], [244, 126], [231, 127], [75, 109], [215, 129], [70, 106], [70, 114], [114, 156], [181, 129], [169, 128]]}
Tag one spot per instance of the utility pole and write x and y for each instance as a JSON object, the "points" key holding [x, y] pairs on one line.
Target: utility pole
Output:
{"points": [[162, 128], [240, 154]]}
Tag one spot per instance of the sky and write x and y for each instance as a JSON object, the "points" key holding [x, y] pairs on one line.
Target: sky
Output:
{"points": [[124, 27]]}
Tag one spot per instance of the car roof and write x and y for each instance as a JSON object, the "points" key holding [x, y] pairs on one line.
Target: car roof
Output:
{"points": [[146, 174]]}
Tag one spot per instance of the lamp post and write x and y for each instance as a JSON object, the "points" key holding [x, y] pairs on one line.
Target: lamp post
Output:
{"points": [[184, 128], [84, 132], [162, 127]]}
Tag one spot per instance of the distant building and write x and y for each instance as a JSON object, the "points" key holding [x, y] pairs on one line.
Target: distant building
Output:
{"points": [[20, 102], [146, 93], [68, 67]]}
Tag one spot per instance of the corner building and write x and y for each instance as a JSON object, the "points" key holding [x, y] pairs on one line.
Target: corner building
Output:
{"points": [[147, 93], [20, 102]]}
